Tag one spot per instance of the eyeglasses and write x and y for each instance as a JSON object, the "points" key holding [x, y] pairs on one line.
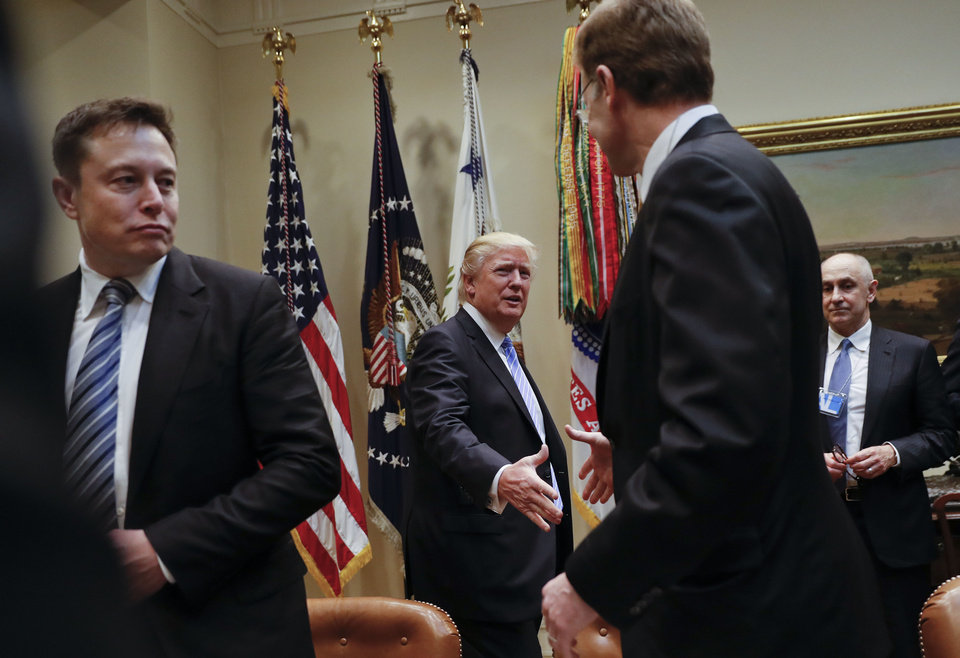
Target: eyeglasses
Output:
{"points": [[582, 113], [841, 456]]}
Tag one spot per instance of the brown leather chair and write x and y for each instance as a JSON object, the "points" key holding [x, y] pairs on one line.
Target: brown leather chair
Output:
{"points": [[940, 622], [599, 640], [380, 626]]}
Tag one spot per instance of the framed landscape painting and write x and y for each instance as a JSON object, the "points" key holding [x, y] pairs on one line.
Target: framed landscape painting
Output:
{"points": [[885, 185]]}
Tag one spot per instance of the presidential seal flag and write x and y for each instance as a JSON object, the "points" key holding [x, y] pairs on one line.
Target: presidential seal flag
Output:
{"points": [[399, 304], [474, 203], [597, 212], [333, 541]]}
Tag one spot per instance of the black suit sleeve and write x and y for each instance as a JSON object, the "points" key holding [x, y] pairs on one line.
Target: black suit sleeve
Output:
{"points": [[288, 433], [717, 280], [934, 439], [951, 375], [441, 408]]}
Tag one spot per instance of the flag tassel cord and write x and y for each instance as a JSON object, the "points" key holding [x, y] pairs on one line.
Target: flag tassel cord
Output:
{"points": [[392, 368]]}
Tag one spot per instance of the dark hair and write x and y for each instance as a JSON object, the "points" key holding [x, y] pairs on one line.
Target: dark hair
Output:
{"points": [[657, 50], [69, 139]]}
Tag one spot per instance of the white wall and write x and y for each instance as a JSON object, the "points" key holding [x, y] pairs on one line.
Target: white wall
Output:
{"points": [[775, 60]]}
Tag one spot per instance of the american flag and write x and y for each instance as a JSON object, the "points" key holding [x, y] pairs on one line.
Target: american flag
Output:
{"points": [[399, 304], [333, 541]]}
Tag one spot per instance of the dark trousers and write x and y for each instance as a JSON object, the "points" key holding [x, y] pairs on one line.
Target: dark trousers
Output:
{"points": [[482, 639], [903, 592]]}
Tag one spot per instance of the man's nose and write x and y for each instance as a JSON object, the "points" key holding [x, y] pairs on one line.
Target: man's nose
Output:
{"points": [[151, 200]]}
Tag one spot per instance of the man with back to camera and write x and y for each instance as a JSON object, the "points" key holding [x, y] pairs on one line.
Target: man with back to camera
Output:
{"points": [[489, 521], [727, 539], [195, 434], [882, 404]]}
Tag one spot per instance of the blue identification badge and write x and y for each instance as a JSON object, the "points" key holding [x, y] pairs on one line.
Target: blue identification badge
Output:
{"points": [[831, 404]]}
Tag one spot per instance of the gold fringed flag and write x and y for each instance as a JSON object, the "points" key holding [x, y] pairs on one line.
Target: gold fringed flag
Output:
{"points": [[333, 541], [597, 211], [399, 304]]}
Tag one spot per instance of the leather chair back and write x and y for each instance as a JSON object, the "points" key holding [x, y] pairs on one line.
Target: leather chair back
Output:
{"points": [[940, 622], [379, 626], [599, 640]]}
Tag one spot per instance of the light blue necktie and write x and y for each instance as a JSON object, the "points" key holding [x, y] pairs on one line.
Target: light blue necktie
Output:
{"points": [[92, 417], [840, 383], [530, 400]]}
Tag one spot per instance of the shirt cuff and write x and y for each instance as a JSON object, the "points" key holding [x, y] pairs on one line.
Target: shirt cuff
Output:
{"points": [[493, 500], [895, 451], [166, 572]]}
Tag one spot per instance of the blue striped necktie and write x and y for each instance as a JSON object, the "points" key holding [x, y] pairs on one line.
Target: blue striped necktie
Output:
{"points": [[92, 417], [529, 399], [840, 383]]}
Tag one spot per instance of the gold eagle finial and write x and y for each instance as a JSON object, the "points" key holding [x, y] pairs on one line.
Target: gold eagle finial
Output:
{"points": [[374, 26], [274, 43], [462, 15]]}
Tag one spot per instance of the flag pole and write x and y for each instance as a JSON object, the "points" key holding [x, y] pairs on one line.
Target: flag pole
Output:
{"points": [[275, 42], [463, 16]]}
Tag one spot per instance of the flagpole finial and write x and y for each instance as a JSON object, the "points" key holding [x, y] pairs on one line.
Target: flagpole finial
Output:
{"points": [[274, 43], [374, 26], [584, 7], [458, 13]]}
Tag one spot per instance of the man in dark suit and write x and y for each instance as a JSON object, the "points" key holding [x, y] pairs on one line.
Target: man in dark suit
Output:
{"points": [[951, 375], [213, 441], [726, 539], [892, 420], [489, 522]]}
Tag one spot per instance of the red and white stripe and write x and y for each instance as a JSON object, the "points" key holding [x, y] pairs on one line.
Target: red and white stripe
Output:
{"points": [[335, 537]]}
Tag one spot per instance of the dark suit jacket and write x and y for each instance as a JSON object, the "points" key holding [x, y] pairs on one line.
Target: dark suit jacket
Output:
{"points": [[727, 538], [469, 420], [224, 388], [906, 406], [951, 375]]}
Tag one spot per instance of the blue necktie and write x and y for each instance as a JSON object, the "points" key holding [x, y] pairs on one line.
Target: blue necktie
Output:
{"points": [[840, 383], [530, 400], [92, 417]]}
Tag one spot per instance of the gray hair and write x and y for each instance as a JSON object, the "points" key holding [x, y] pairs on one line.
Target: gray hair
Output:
{"points": [[864, 270]]}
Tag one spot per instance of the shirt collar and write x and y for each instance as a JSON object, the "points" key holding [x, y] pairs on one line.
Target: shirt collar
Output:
{"points": [[92, 282], [492, 333], [667, 140], [860, 339]]}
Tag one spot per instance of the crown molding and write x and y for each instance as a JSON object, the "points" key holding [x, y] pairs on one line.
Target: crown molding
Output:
{"points": [[236, 22]]}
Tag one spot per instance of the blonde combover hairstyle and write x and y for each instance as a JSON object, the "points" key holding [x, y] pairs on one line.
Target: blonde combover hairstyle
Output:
{"points": [[484, 247], [657, 50]]}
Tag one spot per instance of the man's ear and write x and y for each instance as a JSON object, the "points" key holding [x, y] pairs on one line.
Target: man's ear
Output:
{"points": [[65, 193], [469, 287], [872, 291], [608, 86]]}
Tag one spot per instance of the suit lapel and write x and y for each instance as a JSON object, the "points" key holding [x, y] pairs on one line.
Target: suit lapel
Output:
{"points": [[489, 356], [64, 295], [178, 313], [879, 370]]}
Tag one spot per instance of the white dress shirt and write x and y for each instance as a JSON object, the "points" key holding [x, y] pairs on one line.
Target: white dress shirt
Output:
{"points": [[496, 337], [667, 140], [857, 397], [134, 325]]}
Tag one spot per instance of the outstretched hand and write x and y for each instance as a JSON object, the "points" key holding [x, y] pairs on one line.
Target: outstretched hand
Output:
{"points": [[521, 487], [599, 465]]}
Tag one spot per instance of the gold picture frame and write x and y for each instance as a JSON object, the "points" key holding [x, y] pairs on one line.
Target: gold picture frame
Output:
{"points": [[885, 185], [845, 131]]}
